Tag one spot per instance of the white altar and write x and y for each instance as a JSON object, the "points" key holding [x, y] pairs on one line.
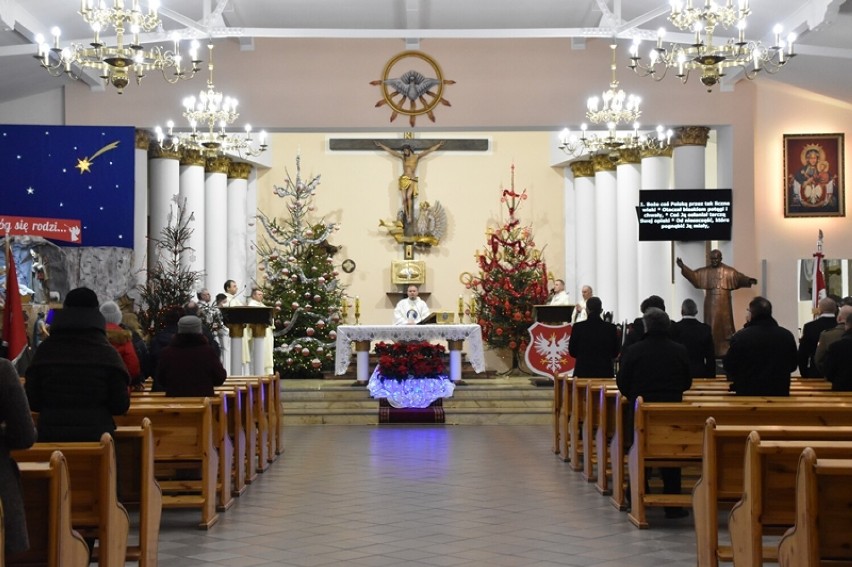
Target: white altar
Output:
{"points": [[363, 335]]}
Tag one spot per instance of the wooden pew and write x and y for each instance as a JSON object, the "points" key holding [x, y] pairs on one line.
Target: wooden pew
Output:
{"points": [[47, 500], [138, 487], [95, 509], [580, 446], [183, 440], [768, 503], [260, 386], [237, 434], [249, 434], [820, 535], [561, 415], [221, 405], [722, 476], [671, 434]]}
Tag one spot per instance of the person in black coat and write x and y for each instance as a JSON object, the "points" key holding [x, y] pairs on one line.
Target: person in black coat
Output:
{"points": [[636, 331], [697, 337], [657, 369], [762, 355], [77, 381], [594, 343], [18, 433], [189, 366], [810, 337], [838, 360]]}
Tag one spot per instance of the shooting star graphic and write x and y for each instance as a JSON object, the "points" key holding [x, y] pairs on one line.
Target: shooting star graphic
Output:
{"points": [[85, 164]]}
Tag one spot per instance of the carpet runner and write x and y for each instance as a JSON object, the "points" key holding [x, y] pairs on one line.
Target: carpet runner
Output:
{"points": [[432, 414]]}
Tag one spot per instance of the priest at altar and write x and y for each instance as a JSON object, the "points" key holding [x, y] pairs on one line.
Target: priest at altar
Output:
{"points": [[410, 310]]}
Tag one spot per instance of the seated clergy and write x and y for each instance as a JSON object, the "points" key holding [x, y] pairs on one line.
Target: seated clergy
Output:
{"points": [[410, 310]]}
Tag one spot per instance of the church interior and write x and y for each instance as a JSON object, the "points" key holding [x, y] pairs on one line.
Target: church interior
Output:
{"points": [[510, 77]]}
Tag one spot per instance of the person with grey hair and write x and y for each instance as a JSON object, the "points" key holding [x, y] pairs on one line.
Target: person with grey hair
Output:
{"points": [[827, 338], [656, 368], [697, 337], [838, 360], [827, 319], [189, 366], [121, 339], [761, 355]]}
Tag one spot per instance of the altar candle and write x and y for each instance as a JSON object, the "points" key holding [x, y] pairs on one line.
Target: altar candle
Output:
{"points": [[461, 304], [343, 307], [357, 305]]}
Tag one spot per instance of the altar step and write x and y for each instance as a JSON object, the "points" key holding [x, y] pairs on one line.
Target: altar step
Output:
{"points": [[493, 401]]}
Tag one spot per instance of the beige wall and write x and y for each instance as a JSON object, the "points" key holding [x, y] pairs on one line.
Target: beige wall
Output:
{"points": [[518, 92], [781, 241], [359, 188]]}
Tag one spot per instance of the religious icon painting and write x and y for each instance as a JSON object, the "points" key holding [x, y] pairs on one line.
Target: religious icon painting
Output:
{"points": [[814, 176]]}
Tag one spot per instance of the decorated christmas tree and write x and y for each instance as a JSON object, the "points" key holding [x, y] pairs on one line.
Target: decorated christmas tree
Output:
{"points": [[512, 279], [170, 284], [301, 281]]}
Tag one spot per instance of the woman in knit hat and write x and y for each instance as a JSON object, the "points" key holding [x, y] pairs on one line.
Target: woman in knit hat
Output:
{"points": [[77, 381], [121, 339], [189, 366]]}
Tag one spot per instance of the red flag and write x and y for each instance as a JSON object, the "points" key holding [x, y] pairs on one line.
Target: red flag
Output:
{"points": [[14, 331], [818, 287]]}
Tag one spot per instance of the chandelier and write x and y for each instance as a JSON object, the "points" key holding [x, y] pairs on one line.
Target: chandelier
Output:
{"points": [[209, 115], [703, 55], [612, 142], [617, 107], [116, 63]]}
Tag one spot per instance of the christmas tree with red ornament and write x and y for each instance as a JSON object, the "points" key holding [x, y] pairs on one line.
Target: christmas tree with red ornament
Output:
{"points": [[512, 279], [301, 281]]}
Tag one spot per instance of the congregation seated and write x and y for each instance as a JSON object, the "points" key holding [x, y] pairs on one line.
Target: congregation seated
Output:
{"points": [[189, 366]]}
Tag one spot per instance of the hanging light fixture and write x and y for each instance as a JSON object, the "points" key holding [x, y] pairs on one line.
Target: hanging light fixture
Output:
{"points": [[615, 107], [117, 63], [703, 55], [209, 115], [612, 142]]}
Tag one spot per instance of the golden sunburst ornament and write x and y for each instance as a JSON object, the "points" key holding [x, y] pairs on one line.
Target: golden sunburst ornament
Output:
{"points": [[415, 91]]}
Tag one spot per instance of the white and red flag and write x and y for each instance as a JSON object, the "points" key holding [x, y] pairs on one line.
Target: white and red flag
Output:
{"points": [[14, 330], [818, 286]]}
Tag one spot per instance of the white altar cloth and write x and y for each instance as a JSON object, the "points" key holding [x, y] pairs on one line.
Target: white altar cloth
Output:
{"points": [[346, 334]]}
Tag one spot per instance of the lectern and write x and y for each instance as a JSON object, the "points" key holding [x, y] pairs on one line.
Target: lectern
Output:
{"points": [[553, 313], [258, 319]]}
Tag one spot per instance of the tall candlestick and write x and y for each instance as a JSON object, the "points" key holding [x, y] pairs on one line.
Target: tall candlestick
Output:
{"points": [[461, 306], [344, 308], [357, 305]]}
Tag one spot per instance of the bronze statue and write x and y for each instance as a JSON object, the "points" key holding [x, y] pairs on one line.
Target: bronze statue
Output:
{"points": [[719, 280], [408, 179]]}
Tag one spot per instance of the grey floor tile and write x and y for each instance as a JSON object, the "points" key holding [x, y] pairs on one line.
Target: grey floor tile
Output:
{"points": [[414, 495]]}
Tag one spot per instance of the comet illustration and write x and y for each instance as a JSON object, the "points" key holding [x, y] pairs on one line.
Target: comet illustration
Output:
{"points": [[85, 164]]}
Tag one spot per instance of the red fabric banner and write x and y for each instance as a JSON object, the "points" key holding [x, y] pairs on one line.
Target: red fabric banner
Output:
{"points": [[14, 331], [66, 230]]}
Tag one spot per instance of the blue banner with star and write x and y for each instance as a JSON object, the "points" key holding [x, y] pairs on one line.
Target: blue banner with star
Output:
{"points": [[76, 173]]}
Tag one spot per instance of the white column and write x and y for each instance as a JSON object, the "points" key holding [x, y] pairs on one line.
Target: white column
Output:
{"points": [[569, 206], [216, 239], [655, 258], [251, 227], [688, 157], [584, 187], [164, 178], [236, 352], [238, 175], [606, 267], [629, 178], [140, 207], [258, 350], [192, 191], [216, 226]]}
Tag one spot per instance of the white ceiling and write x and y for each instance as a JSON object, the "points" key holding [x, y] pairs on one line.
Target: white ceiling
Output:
{"points": [[824, 28]]}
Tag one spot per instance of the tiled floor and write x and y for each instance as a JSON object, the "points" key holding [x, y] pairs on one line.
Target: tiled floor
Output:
{"points": [[422, 496]]}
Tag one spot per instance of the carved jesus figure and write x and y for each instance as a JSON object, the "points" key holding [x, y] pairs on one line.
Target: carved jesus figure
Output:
{"points": [[718, 280], [408, 179]]}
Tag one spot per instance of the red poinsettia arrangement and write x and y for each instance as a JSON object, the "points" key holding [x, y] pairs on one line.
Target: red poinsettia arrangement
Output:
{"points": [[410, 360]]}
